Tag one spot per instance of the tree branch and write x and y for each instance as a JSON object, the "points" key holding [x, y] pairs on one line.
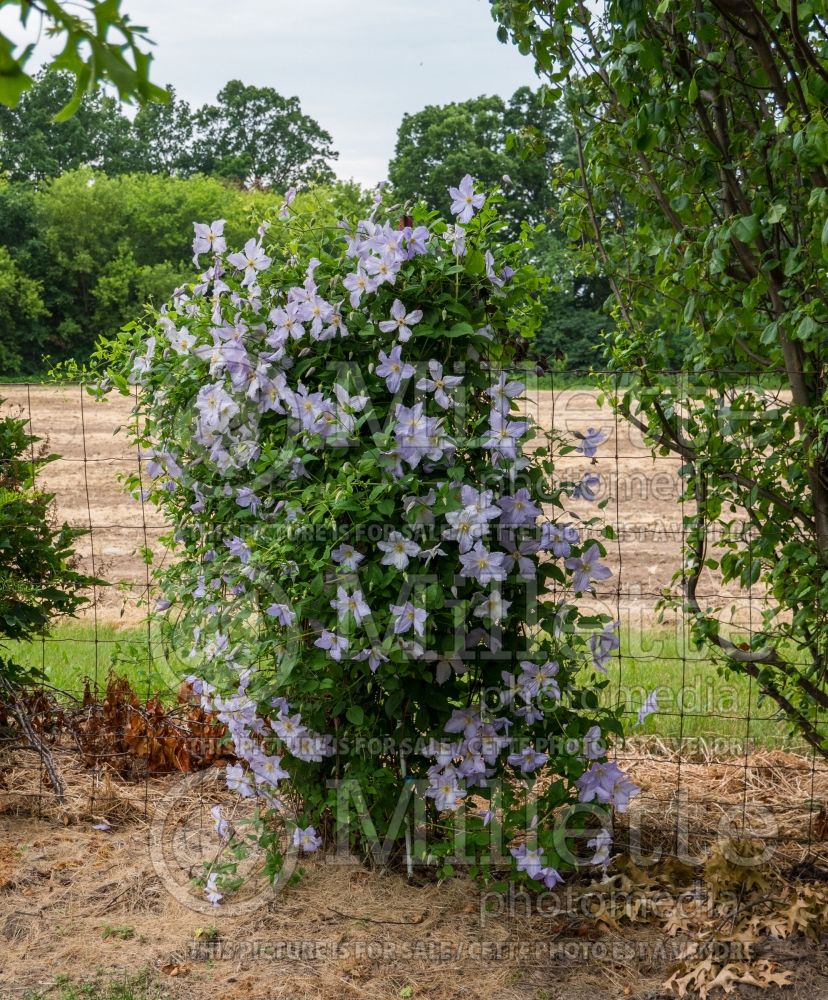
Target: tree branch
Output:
{"points": [[34, 740]]}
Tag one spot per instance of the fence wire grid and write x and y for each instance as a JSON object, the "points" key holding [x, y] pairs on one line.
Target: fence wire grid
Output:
{"points": [[713, 740]]}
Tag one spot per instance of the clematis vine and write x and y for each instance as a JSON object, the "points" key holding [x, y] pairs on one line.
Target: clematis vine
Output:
{"points": [[368, 534]]}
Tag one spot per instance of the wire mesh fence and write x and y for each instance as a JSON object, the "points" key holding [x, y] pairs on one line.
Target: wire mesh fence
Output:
{"points": [[714, 756]]}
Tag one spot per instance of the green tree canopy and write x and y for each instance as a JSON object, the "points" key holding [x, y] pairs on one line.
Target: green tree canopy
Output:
{"points": [[162, 137], [81, 254], [34, 146], [255, 136], [526, 139], [251, 136], [438, 145], [702, 132]]}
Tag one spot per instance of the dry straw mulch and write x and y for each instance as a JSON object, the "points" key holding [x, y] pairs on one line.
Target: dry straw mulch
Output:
{"points": [[91, 904]]}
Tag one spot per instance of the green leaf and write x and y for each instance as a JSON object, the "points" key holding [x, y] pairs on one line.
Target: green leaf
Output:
{"points": [[746, 228], [355, 715]]}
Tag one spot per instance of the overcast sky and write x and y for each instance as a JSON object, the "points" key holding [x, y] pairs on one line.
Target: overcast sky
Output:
{"points": [[356, 65]]}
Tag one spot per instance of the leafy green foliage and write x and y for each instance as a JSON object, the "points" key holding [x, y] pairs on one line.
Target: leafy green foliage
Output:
{"points": [[702, 186], [89, 53], [439, 144], [254, 136], [251, 136], [529, 140], [34, 146], [21, 309], [285, 460], [38, 579], [84, 252]]}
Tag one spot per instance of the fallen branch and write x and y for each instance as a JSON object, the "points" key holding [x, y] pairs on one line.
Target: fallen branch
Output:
{"points": [[34, 740]]}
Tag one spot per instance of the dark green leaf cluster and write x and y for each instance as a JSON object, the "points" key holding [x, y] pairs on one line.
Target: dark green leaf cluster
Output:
{"points": [[38, 577], [702, 189], [251, 136], [90, 54], [82, 254]]}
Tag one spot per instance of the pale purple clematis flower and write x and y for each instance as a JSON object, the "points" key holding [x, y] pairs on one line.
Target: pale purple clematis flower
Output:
{"points": [[457, 236], [519, 510], [393, 369], [528, 861], [268, 768], [446, 667], [601, 842], [493, 607], [238, 548], [586, 568], [550, 877], [288, 727], [333, 643], [251, 260], [649, 707], [588, 443], [282, 613], [559, 539], [445, 789], [594, 746], [528, 759], [358, 284], [464, 527], [518, 554], [482, 565], [383, 268], [587, 488], [401, 321], [495, 279], [464, 201], [347, 557], [181, 341], [608, 784], [439, 383], [311, 747], [247, 499], [398, 550], [407, 616], [211, 890], [535, 680], [216, 407], [374, 656], [416, 241], [443, 752], [503, 435], [603, 644], [307, 839], [503, 392], [465, 721], [284, 210], [208, 239], [238, 780], [353, 603]]}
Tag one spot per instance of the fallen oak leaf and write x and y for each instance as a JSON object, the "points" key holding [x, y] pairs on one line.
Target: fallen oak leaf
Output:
{"points": [[172, 969]]}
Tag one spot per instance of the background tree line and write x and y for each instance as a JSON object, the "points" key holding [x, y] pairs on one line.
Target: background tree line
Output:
{"points": [[96, 211]]}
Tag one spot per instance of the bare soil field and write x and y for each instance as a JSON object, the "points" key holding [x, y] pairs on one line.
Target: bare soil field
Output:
{"points": [[642, 490]]}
